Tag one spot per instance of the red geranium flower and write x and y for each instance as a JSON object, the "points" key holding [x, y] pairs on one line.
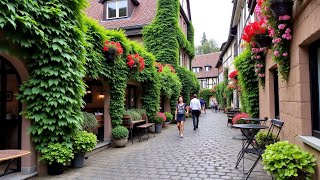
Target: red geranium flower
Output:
{"points": [[233, 74], [159, 66], [253, 29], [136, 61]]}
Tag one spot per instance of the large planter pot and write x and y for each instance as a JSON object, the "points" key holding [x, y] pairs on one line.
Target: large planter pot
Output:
{"points": [[263, 41], [55, 168], [78, 160], [121, 142], [158, 127], [281, 8]]}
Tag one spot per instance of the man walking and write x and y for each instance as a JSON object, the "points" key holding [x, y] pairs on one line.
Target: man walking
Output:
{"points": [[196, 110]]}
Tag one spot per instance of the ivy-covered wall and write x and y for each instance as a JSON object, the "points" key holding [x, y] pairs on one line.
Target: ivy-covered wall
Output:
{"points": [[248, 82], [60, 46], [164, 38], [52, 46], [117, 73]]}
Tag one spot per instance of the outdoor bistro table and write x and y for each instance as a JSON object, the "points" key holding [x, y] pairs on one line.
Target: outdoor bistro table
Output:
{"points": [[255, 120], [249, 131], [10, 155]]}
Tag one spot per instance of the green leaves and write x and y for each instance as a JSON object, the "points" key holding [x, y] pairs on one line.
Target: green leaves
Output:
{"points": [[285, 161], [249, 84]]}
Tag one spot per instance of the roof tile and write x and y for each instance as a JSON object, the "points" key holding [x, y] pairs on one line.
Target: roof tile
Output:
{"points": [[205, 60]]}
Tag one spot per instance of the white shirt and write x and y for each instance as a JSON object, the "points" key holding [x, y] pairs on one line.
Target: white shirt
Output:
{"points": [[195, 104]]}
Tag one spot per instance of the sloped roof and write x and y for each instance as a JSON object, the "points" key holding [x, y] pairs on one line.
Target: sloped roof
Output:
{"points": [[142, 15], [206, 60]]}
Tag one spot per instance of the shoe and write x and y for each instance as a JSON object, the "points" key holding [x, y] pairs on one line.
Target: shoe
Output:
{"points": [[181, 135], [194, 128], [197, 127]]}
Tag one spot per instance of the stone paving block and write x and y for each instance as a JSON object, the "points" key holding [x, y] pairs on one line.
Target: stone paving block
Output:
{"points": [[207, 153]]}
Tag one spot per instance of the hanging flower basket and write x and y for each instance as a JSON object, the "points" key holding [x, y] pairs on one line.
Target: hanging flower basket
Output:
{"points": [[281, 7], [111, 50], [159, 67], [263, 40], [135, 61]]}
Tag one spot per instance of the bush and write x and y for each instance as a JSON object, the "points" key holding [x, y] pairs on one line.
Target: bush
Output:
{"points": [[160, 118], [263, 140], [120, 132], [134, 115], [84, 142], [237, 118], [89, 122], [288, 161], [169, 116], [57, 152]]}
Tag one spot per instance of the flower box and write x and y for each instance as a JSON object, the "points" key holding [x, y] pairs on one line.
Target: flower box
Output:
{"points": [[111, 50], [263, 40], [281, 8]]}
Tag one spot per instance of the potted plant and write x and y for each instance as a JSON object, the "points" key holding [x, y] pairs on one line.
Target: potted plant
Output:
{"points": [[281, 7], [158, 120], [111, 50], [82, 142], [120, 136], [237, 118], [169, 117], [89, 122], [57, 155], [288, 161], [135, 61], [263, 139]]}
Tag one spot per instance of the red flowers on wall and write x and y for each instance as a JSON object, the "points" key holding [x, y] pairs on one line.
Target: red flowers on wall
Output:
{"points": [[159, 66], [135, 61], [252, 29]]}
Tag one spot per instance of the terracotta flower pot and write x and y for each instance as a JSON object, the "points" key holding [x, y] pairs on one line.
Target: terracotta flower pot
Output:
{"points": [[281, 8]]}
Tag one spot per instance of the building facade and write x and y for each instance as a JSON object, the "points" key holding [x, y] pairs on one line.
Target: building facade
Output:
{"points": [[204, 67], [296, 101]]}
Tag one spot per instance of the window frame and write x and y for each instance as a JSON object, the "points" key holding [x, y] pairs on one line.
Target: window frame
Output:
{"points": [[117, 10], [314, 88]]}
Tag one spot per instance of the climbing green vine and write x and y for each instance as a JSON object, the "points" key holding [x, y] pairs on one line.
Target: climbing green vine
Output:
{"points": [[52, 46], [249, 84]]}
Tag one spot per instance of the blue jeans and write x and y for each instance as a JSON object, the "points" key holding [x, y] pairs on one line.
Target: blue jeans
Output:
{"points": [[195, 116]]}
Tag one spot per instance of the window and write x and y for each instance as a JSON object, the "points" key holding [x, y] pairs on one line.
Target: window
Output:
{"points": [[195, 69], [117, 9], [207, 68], [315, 87]]}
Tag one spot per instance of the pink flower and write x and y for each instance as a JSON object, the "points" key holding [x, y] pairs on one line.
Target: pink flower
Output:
{"points": [[261, 49], [285, 54], [288, 31], [276, 53], [272, 32], [266, 8], [282, 26], [257, 70], [277, 40], [260, 65], [261, 75], [284, 18], [286, 36], [258, 57]]}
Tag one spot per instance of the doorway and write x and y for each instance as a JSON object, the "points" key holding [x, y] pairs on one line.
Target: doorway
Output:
{"points": [[10, 106]]}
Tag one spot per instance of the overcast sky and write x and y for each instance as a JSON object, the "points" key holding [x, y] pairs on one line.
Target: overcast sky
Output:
{"points": [[212, 17]]}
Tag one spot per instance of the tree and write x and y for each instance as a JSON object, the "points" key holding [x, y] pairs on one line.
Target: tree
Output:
{"points": [[204, 38], [208, 47]]}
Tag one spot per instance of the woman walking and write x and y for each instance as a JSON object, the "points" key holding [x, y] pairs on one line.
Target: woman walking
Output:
{"points": [[180, 115]]}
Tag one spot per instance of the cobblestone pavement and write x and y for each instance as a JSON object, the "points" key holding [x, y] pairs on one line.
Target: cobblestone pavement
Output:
{"points": [[207, 153]]}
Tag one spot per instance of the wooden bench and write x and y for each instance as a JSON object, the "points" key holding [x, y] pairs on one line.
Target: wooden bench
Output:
{"points": [[10, 155], [144, 129]]}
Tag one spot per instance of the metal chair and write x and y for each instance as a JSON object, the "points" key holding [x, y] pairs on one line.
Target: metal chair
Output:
{"points": [[257, 150]]}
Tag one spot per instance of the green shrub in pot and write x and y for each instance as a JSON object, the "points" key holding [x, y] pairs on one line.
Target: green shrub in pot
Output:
{"points": [[89, 122], [134, 115], [288, 161], [263, 139], [84, 142], [120, 132], [61, 153], [169, 116]]}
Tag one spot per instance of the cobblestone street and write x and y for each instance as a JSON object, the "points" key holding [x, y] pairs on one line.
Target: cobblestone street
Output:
{"points": [[207, 153]]}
